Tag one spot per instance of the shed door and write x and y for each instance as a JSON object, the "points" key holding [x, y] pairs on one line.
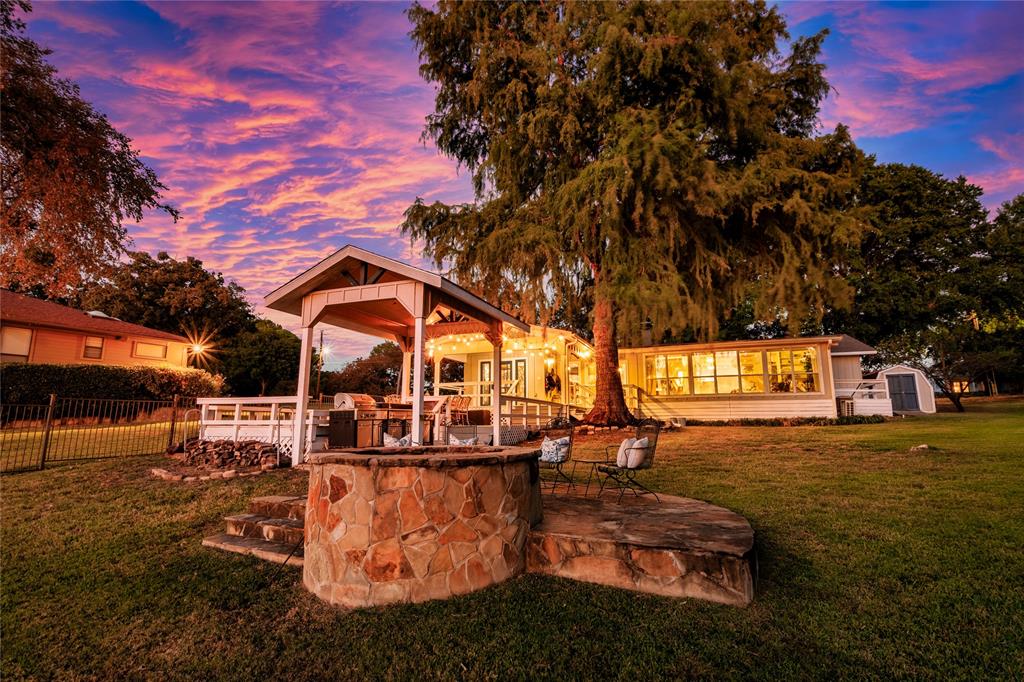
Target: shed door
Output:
{"points": [[903, 392]]}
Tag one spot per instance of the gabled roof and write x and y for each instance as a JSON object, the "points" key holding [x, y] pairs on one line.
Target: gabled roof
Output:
{"points": [[850, 346], [288, 297], [33, 312]]}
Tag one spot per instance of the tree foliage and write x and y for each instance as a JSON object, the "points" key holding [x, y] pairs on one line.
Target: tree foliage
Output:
{"points": [[262, 361], [378, 374], [925, 259], [70, 180], [178, 296], [660, 150]]}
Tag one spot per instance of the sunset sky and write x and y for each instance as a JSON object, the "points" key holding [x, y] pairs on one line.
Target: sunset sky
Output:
{"points": [[284, 131]]}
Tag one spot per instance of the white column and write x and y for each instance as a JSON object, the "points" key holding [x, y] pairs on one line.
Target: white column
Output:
{"points": [[437, 375], [302, 395], [496, 392], [403, 387], [417, 381]]}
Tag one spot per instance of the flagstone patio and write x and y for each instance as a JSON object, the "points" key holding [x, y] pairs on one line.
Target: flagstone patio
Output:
{"points": [[679, 547]]}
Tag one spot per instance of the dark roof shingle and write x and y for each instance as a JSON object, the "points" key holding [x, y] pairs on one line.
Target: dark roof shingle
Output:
{"points": [[18, 308]]}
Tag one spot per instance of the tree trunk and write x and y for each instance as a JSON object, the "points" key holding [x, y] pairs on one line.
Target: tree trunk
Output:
{"points": [[954, 397], [609, 401]]}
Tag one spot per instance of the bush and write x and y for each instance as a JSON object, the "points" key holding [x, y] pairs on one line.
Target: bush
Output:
{"points": [[32, 384]]}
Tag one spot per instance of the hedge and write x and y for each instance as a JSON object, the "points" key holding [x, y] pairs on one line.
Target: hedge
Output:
{"points": [[25, 384]]}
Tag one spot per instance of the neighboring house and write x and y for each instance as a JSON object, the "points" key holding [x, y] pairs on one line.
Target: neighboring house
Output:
{"points": [[792, 377], [38, 331], [909, 389]]}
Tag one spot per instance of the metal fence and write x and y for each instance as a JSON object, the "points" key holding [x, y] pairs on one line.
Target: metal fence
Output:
{"points": [[74, 429]]}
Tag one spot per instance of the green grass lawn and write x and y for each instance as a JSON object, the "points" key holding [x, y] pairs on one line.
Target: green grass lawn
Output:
{"points": [[874, 562], [21, 448]]}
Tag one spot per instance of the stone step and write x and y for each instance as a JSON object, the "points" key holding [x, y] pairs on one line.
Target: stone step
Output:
{"points": [[279, 507], [267, 550], [288, 531]]}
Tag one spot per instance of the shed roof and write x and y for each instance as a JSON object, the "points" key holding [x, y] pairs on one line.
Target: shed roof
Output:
{"points": [[20, 309]]}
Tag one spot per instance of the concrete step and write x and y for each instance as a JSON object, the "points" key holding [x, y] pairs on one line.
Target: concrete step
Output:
{"points": [[279, 507], [267, 550]]}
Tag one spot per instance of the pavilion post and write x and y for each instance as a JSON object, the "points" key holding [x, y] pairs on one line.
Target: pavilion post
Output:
{"points": [[403, 388], [417, 381], [302, 395], [496, 389], [437, 374]]}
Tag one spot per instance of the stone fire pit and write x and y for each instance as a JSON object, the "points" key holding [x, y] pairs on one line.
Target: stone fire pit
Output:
{"points": [[387, 525]]}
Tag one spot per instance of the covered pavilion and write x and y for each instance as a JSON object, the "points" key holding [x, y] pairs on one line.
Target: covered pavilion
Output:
{"points": [[365, 292]]}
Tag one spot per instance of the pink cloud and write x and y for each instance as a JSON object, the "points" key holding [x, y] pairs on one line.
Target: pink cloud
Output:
{"points": [[1007, 146]]}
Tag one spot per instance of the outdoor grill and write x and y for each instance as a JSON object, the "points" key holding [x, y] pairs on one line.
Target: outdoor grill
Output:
{"points": [[358, 421]]}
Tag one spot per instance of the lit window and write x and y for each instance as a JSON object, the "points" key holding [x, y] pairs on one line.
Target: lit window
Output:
{"points": [[153, 351], [793, 371], [667, 374], [752, 371], [93, 347], [703, 373], [15, 343]]}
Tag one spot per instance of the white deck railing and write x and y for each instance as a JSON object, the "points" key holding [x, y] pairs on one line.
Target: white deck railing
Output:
{"points": [[270, 420], [863, 389]]}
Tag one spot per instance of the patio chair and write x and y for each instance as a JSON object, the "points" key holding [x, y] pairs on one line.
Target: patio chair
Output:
{"points": [[459, 409], [624, 477], [557, 459]]}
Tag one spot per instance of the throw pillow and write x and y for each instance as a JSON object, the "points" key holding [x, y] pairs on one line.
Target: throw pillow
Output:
{"points": [[392, 442], [452, 440], [638, 454], [554, 451], [622, 459]]}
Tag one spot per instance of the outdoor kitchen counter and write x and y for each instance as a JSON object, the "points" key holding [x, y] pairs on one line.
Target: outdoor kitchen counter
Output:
{"points": [[387, 525]]}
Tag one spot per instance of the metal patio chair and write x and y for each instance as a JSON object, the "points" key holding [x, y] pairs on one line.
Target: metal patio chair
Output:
{"points": [[625, 477], [558, 428]]}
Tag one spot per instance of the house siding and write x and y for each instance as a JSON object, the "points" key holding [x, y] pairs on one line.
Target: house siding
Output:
{"points": [[722, 407], [51, 346], [740, 407]]}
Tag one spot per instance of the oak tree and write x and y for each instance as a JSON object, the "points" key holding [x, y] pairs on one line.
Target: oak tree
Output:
{"points": [[70, 180]]}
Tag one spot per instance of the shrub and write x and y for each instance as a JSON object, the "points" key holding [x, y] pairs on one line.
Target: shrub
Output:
{"points": [[32, 384]]}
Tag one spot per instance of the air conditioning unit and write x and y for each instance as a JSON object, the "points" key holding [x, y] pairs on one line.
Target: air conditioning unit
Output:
{"points": [[844, 407]]}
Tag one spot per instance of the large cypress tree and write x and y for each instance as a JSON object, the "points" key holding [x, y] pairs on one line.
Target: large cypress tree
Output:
{"points": [[663, 151]]}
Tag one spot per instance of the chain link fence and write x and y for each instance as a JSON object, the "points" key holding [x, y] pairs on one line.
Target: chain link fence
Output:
{"points": [[75, 429]]}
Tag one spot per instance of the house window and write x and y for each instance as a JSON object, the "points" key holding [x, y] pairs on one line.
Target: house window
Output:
{"points": [[153, 351], [752, 372], [793, 371], [733, 372], [93, 347], [703, 373], [667, 374], [15, 344]]}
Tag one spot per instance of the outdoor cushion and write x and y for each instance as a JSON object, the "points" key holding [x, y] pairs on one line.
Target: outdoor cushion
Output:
{"points": [[554, 451], [392, 442], [638, 454], [622, 459], [452, 440]]}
